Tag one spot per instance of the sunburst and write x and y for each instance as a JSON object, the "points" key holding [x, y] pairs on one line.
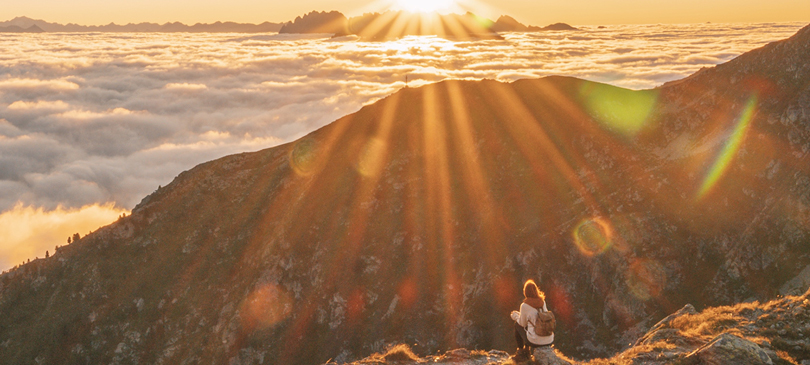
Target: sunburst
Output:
{"points": [[425, 6]]}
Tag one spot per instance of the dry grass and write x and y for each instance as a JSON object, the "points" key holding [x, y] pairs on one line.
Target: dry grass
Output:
{"points": [[633, 354], [565, 358], [712, 321], [400, 353]]}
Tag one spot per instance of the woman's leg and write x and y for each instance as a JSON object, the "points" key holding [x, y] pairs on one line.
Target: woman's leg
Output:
{"points": [[520, 336]]}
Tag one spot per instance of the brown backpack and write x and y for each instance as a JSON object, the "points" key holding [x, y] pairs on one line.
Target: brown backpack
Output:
{"points": [[545, 323]]}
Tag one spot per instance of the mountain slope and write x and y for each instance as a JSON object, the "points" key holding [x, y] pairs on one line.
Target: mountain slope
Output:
{"points": [[416, 219]]}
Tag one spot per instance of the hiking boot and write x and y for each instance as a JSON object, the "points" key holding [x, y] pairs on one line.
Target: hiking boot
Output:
{"points": [[522, 355]]}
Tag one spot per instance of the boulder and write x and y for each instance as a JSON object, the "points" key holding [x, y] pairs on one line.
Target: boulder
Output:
{"points": [[547, 356], [662, 330], [730, 349]]}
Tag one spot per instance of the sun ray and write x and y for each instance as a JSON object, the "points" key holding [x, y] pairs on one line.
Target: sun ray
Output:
{"points": [[425, 6], [271, 230], [440, 195], [435, 24], [399, 26], [376, 26], [558, 100], [530, 130], [455, 28]]}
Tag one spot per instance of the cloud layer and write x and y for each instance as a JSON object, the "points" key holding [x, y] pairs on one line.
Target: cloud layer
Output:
{"points": [[29, 232], [97, 118]]}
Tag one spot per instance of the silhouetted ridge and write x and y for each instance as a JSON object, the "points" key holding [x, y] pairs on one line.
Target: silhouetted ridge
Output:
{"points": [[18, 29], [318, 22], [25, 22], [558, 26]]}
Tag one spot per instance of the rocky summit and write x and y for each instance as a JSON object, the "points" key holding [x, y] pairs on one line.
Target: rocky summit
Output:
{"points": [[416, 220]]}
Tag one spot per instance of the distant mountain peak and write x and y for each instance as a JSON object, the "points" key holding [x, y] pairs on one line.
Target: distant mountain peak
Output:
{"points": [[26, 23]]}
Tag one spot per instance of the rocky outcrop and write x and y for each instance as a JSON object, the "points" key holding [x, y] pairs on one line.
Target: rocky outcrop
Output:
{"points": [[774, 332], [729, 349], [663, 329]]}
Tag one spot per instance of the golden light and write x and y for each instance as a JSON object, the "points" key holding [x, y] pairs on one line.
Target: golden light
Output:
{"points": [[265, 306], [30, 231], [424, 6], [645, 279]]}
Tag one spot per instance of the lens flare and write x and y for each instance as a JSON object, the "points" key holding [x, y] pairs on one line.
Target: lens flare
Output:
{"points": [[370, 160], [730, 149], [265, 307], [621, 110], [356, 306], [645, 279], [408, 293], [505, 291], [593, 236], [559, 302], [302, 156]]}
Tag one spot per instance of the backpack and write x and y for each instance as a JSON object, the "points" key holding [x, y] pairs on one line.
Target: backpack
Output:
{"points": [[544, 323]]}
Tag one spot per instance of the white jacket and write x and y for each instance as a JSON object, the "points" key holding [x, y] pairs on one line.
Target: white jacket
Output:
{"points": [[525, 318]]}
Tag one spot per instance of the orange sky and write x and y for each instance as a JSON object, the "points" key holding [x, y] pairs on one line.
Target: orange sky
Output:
{"points": [[535, 12]]}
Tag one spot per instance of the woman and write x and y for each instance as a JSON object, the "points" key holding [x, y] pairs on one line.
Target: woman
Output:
{"points": [[534, 301]]}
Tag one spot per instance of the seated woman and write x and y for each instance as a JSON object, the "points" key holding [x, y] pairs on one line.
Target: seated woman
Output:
{"points": [[533, 302]]}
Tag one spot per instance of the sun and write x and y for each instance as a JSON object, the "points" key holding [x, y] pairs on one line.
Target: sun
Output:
{"points": [[424, 6]]}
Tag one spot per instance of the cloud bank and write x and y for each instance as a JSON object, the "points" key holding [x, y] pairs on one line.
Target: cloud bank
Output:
{"points": [[104, 118], [29, 232]]}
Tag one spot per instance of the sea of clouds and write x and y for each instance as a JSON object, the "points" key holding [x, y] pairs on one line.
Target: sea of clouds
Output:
{"points": [[91, 123]]}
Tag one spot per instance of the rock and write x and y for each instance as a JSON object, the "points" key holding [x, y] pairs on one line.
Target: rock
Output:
{"points": [[730, 349], [459, 353], [547, 356], [498, 353], [662, 330], [798, 284]]}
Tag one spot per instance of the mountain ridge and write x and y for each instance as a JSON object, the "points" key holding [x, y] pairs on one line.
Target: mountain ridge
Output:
{"points": [[332, 22], [416, 220], [396, 24], [44, 26]]}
